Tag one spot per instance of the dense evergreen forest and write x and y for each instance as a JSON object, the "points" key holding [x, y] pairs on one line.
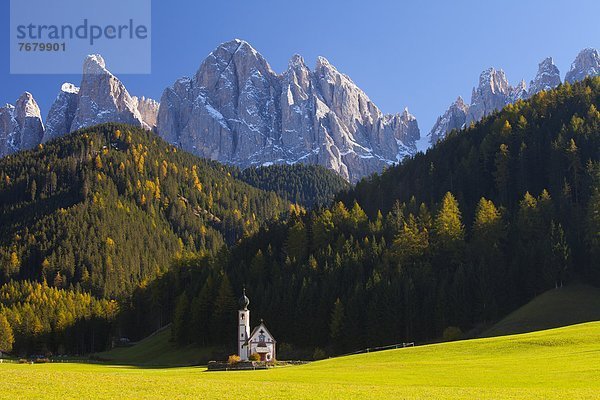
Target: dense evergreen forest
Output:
{"points": [[444, 243], [108, 208], [41, 319], [447, 242], [308, 185]]}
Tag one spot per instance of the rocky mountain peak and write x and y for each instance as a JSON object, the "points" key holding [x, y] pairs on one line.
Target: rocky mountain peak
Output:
{"points": [[407, 116], [237, 110], [547, 64], [412, 132], [148, 109], [494, 81], [61, 114], [296, 80], [587, 63], [297, 61], [454, 118], [94, 64], [231, 62], [69, 88], [27, 107], [547, 77], [227, 50], [322, 62], [493, 93], [21, 126], [102, 98], [518, 92]]}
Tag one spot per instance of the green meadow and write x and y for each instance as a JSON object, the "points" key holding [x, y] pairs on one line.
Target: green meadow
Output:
{"points": [[562, 363], [157, 350]]}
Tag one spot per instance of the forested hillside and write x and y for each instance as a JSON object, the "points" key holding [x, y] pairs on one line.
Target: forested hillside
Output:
{"points": [[109, 207], [308, 185], [42, 319], [447, 241]]}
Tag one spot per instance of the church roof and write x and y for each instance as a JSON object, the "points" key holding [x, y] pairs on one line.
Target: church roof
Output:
{"points": [[255, 330]]}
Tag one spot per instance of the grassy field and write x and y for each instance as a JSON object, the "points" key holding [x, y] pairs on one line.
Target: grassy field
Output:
{"points": [[562, 363], [157, 350], [569, 305]]}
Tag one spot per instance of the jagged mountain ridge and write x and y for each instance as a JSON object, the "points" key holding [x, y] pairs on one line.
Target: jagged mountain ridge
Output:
{"points": [[237, 110], [100, 98], [494, 91]]}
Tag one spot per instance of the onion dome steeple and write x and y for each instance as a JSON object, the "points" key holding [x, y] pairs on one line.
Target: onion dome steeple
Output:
{"points": [[244, 301]]}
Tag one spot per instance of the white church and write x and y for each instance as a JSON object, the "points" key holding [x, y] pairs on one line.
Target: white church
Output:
{"points": [[260, 341]]}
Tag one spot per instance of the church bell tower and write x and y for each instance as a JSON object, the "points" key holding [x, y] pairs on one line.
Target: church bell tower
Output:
{"points": [[244, 327]]}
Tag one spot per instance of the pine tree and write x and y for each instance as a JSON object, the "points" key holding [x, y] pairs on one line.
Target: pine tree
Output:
{"points": [[336, 324], [411, 242], [449, 230], [487, 227], [33, 190], [6, 335], [258, 264], [197, 323], [506, 128], [201, 316], [486, 246], [297, 242], [224, 314], [502, 173], [574, 167], [561, 254], [593, 231], [180, 327]]}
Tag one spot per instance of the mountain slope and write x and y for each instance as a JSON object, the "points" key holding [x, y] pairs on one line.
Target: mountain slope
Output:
{"points": [[569, 305], [482, 223], [158, 350], [543, 136], [309, 185], [108, 207]]}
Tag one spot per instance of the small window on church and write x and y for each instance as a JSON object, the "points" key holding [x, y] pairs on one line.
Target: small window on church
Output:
{"points": [[242, 335]]}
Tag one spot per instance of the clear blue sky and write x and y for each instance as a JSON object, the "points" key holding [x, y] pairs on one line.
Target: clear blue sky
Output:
{"points": [[420, 54]]}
